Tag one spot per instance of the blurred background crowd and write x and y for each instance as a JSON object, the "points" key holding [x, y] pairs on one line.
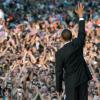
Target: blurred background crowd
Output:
{"points": [[30, 36]]}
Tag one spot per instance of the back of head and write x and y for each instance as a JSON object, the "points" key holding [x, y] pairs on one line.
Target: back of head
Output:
{"points": [[66, 35]]}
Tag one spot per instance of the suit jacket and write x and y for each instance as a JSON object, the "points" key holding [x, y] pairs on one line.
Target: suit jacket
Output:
{"points": [[70, 63]]}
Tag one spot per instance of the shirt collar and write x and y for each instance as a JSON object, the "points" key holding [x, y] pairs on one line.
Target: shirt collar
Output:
{"points": [[67, 42], [63, 44]]}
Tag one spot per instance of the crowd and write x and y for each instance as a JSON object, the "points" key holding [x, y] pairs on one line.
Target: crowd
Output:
{"points": [[30, 36]]}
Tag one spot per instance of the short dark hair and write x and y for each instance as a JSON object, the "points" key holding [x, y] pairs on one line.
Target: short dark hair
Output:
{"points": [[66, 35]]}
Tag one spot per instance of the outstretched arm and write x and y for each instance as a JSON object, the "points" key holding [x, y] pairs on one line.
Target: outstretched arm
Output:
{"points": [[80, 40]]}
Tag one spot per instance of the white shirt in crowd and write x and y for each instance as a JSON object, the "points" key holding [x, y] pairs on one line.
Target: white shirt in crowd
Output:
{"points": [[1, 14], [96, 98]]}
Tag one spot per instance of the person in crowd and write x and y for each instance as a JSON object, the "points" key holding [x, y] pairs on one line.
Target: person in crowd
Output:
{"points": [[30, 33]]}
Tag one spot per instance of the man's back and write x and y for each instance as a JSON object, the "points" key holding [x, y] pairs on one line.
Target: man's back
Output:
{"points": [[74, 65], [70, 61]]}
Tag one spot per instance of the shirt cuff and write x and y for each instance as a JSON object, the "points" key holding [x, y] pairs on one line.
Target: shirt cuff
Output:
{"points": [[81, 18]]}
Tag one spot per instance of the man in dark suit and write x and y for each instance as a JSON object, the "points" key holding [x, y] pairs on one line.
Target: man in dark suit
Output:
{"points": [[70, 63]]}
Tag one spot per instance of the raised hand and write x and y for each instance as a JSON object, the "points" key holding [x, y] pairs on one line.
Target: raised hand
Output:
{"points": [[80, 10]]}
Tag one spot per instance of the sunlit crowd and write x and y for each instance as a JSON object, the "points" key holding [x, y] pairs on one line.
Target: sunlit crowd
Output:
{"points": [[29, 38]]}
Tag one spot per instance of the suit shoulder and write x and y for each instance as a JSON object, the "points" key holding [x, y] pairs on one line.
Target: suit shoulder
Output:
{"points": [[59, 52]]}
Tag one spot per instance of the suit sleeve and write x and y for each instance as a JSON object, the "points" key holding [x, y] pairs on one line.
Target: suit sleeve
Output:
{"points": [[80, 40], [59, 72]]}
